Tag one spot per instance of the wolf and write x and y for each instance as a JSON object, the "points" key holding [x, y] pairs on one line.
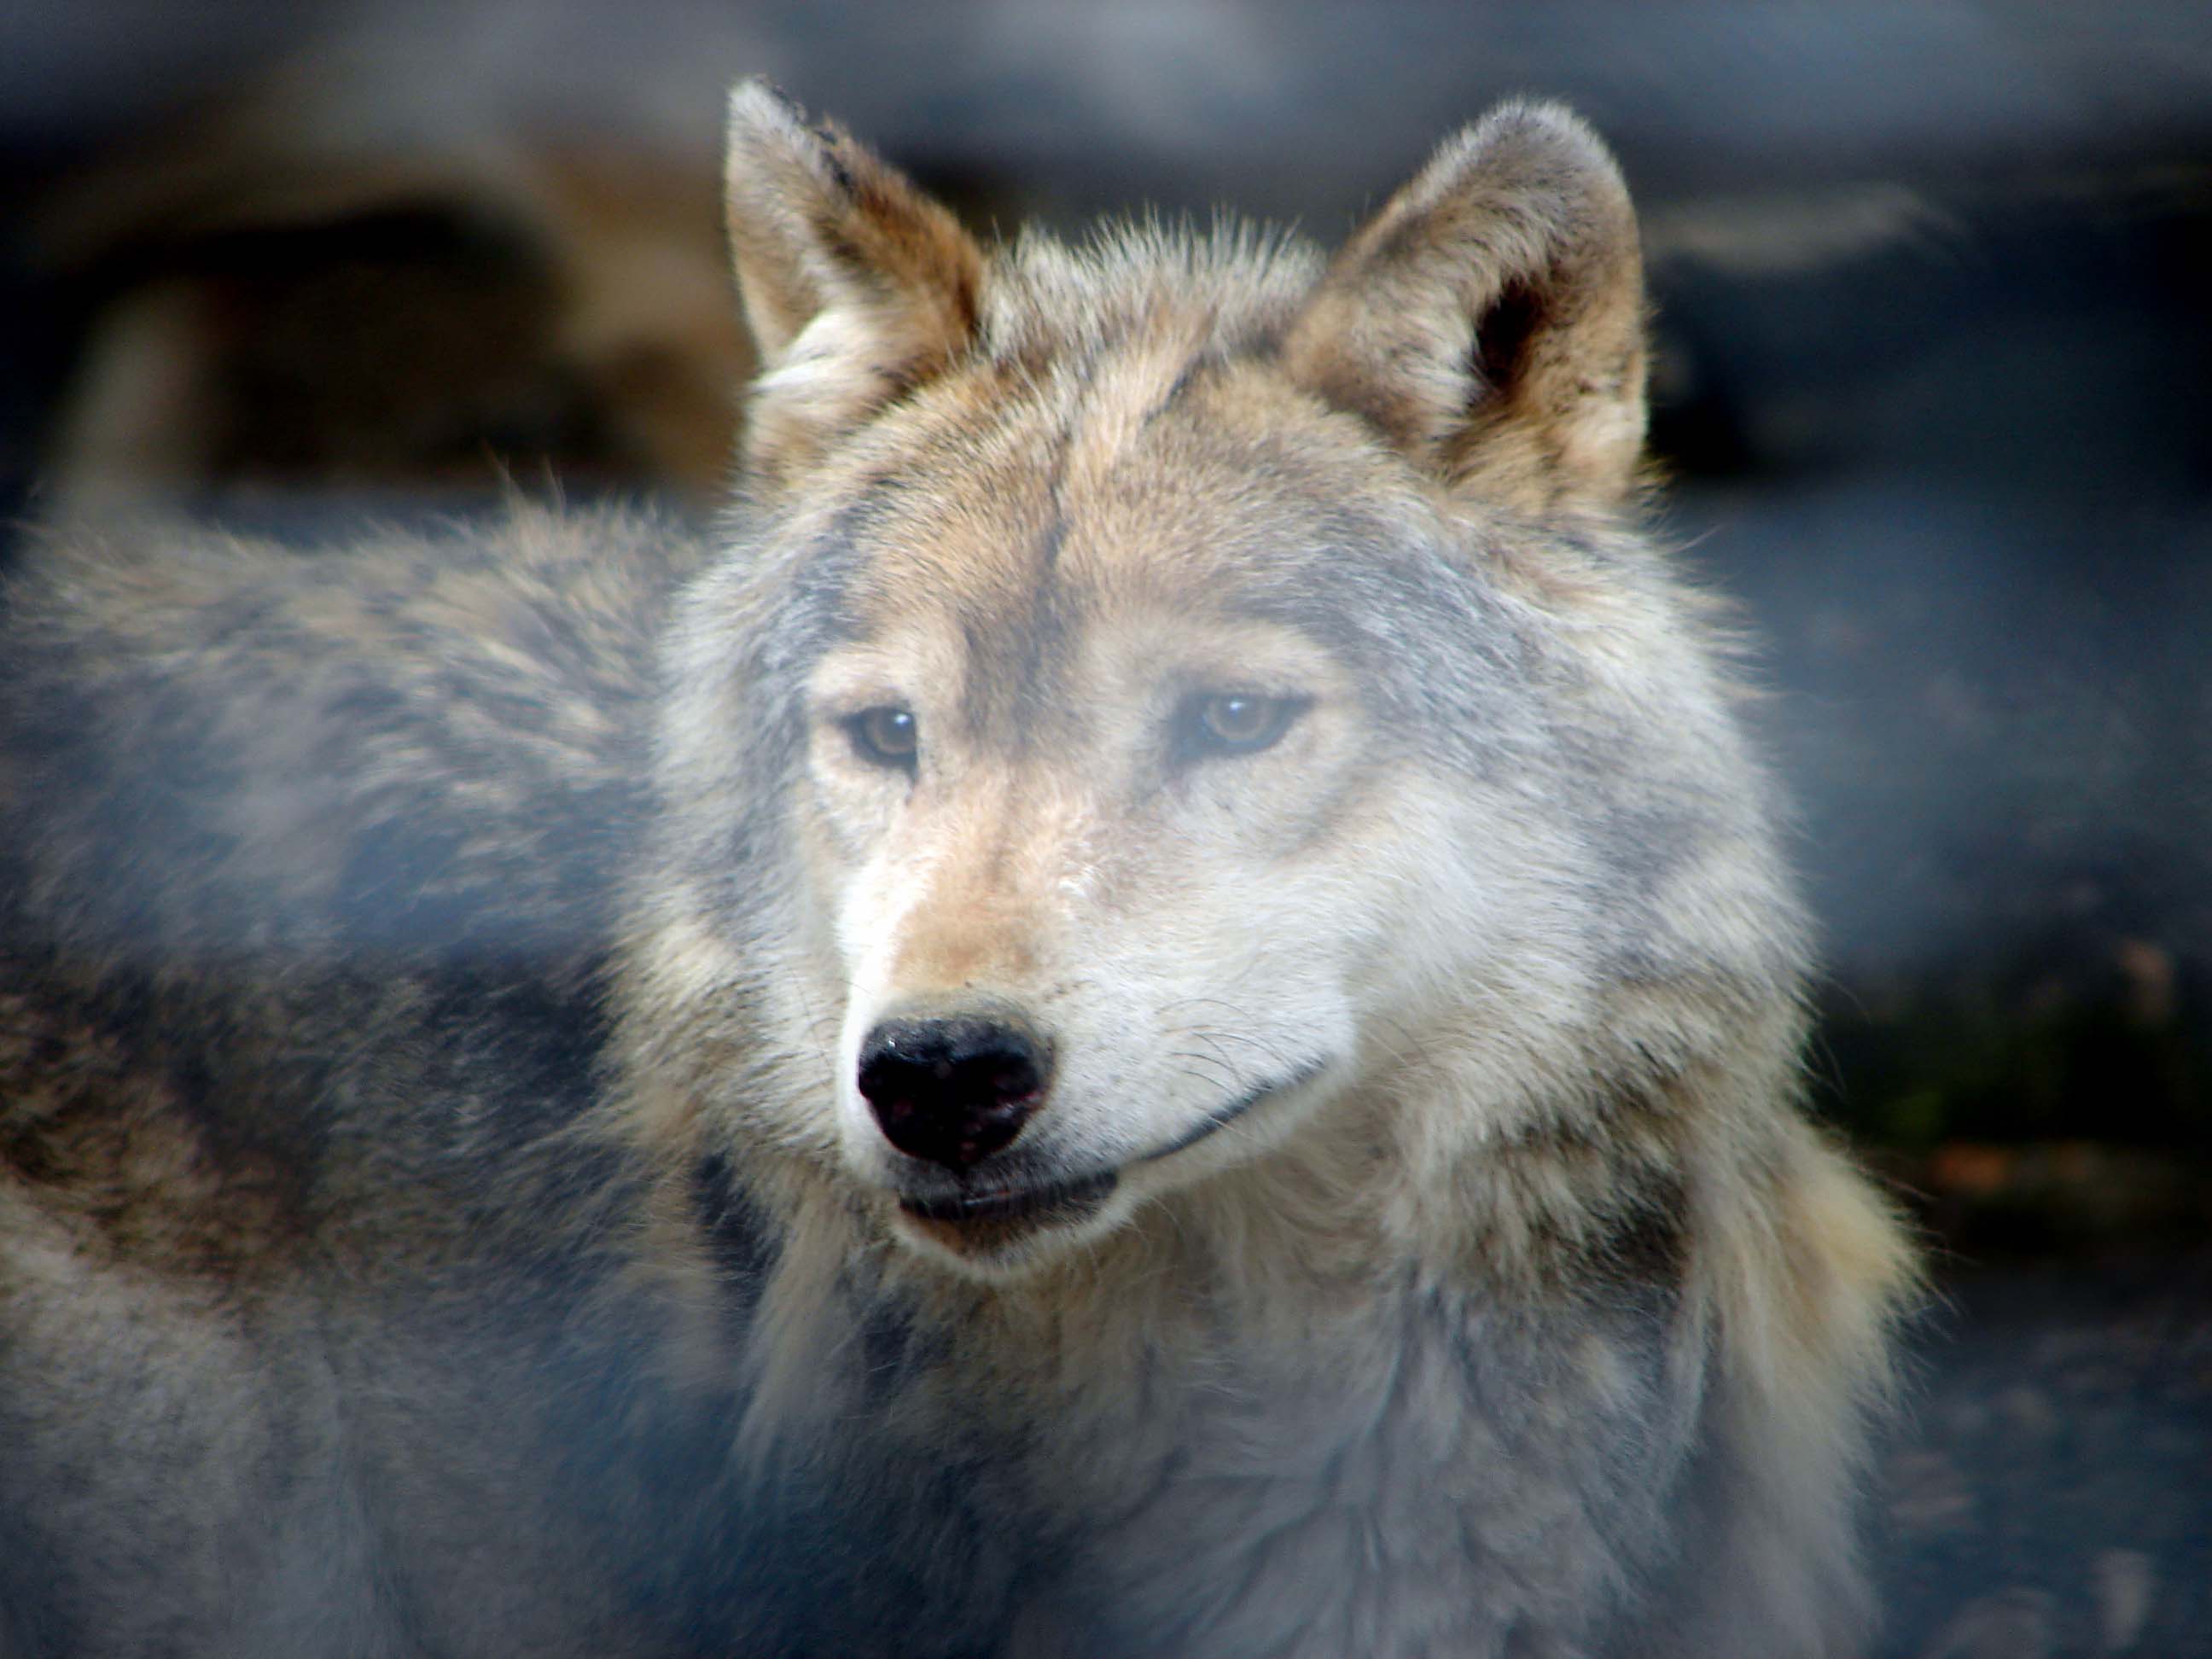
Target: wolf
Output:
{"points": [[1149, 1006]]}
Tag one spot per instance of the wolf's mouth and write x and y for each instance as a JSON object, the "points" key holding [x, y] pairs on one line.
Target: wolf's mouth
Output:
{"points": [[1010, 1200], [1063, 1200]]}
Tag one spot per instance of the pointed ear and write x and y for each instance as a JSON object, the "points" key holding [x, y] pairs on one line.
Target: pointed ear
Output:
{"points": [[1490, 320], [856, 286]]}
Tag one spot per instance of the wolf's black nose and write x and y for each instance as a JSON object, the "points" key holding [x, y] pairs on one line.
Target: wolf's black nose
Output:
{"points": [[952, 1090]]}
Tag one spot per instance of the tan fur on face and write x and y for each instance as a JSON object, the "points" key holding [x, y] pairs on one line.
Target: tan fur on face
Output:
{"points": [[1045, 861]]}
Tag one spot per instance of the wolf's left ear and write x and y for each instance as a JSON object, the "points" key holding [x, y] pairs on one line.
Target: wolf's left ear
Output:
{"points": [[1489, 320], [856, 285]]}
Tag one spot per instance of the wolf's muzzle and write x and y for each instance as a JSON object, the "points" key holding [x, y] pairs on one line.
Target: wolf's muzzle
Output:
{"points": [[952, 1089]]}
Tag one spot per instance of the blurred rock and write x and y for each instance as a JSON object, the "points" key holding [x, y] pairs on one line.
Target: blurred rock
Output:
{"points": [[269, 302]]}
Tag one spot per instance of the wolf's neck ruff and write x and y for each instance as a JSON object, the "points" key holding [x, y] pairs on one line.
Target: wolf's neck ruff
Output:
{"points": [[1186, 1043]]}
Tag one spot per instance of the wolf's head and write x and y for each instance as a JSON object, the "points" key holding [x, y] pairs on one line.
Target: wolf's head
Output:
{"points": [[1172, 692]]}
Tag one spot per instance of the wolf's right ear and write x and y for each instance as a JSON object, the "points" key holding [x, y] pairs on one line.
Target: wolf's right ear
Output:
{"points": [[1489, 319], [856, 286]]}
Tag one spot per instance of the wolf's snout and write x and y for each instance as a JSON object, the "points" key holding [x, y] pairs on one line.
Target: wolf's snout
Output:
{"points": [[952, 1090]]}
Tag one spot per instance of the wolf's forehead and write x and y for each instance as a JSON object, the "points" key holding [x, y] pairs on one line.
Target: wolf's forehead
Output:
{"points": [[1020, 517], [1153, 478], [1033, 568]]}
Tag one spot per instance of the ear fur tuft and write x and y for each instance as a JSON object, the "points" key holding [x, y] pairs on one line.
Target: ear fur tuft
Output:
{"points": [[1489, 320], [855, 285]]}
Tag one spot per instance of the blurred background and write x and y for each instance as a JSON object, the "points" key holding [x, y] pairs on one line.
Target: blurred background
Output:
{"points": [[1934, 292]]}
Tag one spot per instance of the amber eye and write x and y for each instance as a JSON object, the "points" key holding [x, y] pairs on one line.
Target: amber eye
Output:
{"points": [[885, 736], [1235, 722]]}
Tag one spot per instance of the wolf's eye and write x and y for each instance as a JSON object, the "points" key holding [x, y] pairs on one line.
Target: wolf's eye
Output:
{"points": [[886, 736], [1235, 722]]}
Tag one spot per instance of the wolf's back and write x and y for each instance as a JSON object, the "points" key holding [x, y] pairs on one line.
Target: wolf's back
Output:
{"points": [[421, 744]]}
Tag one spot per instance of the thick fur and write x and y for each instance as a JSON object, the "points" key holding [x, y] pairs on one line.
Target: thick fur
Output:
{"points": [[440, 1211]]}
